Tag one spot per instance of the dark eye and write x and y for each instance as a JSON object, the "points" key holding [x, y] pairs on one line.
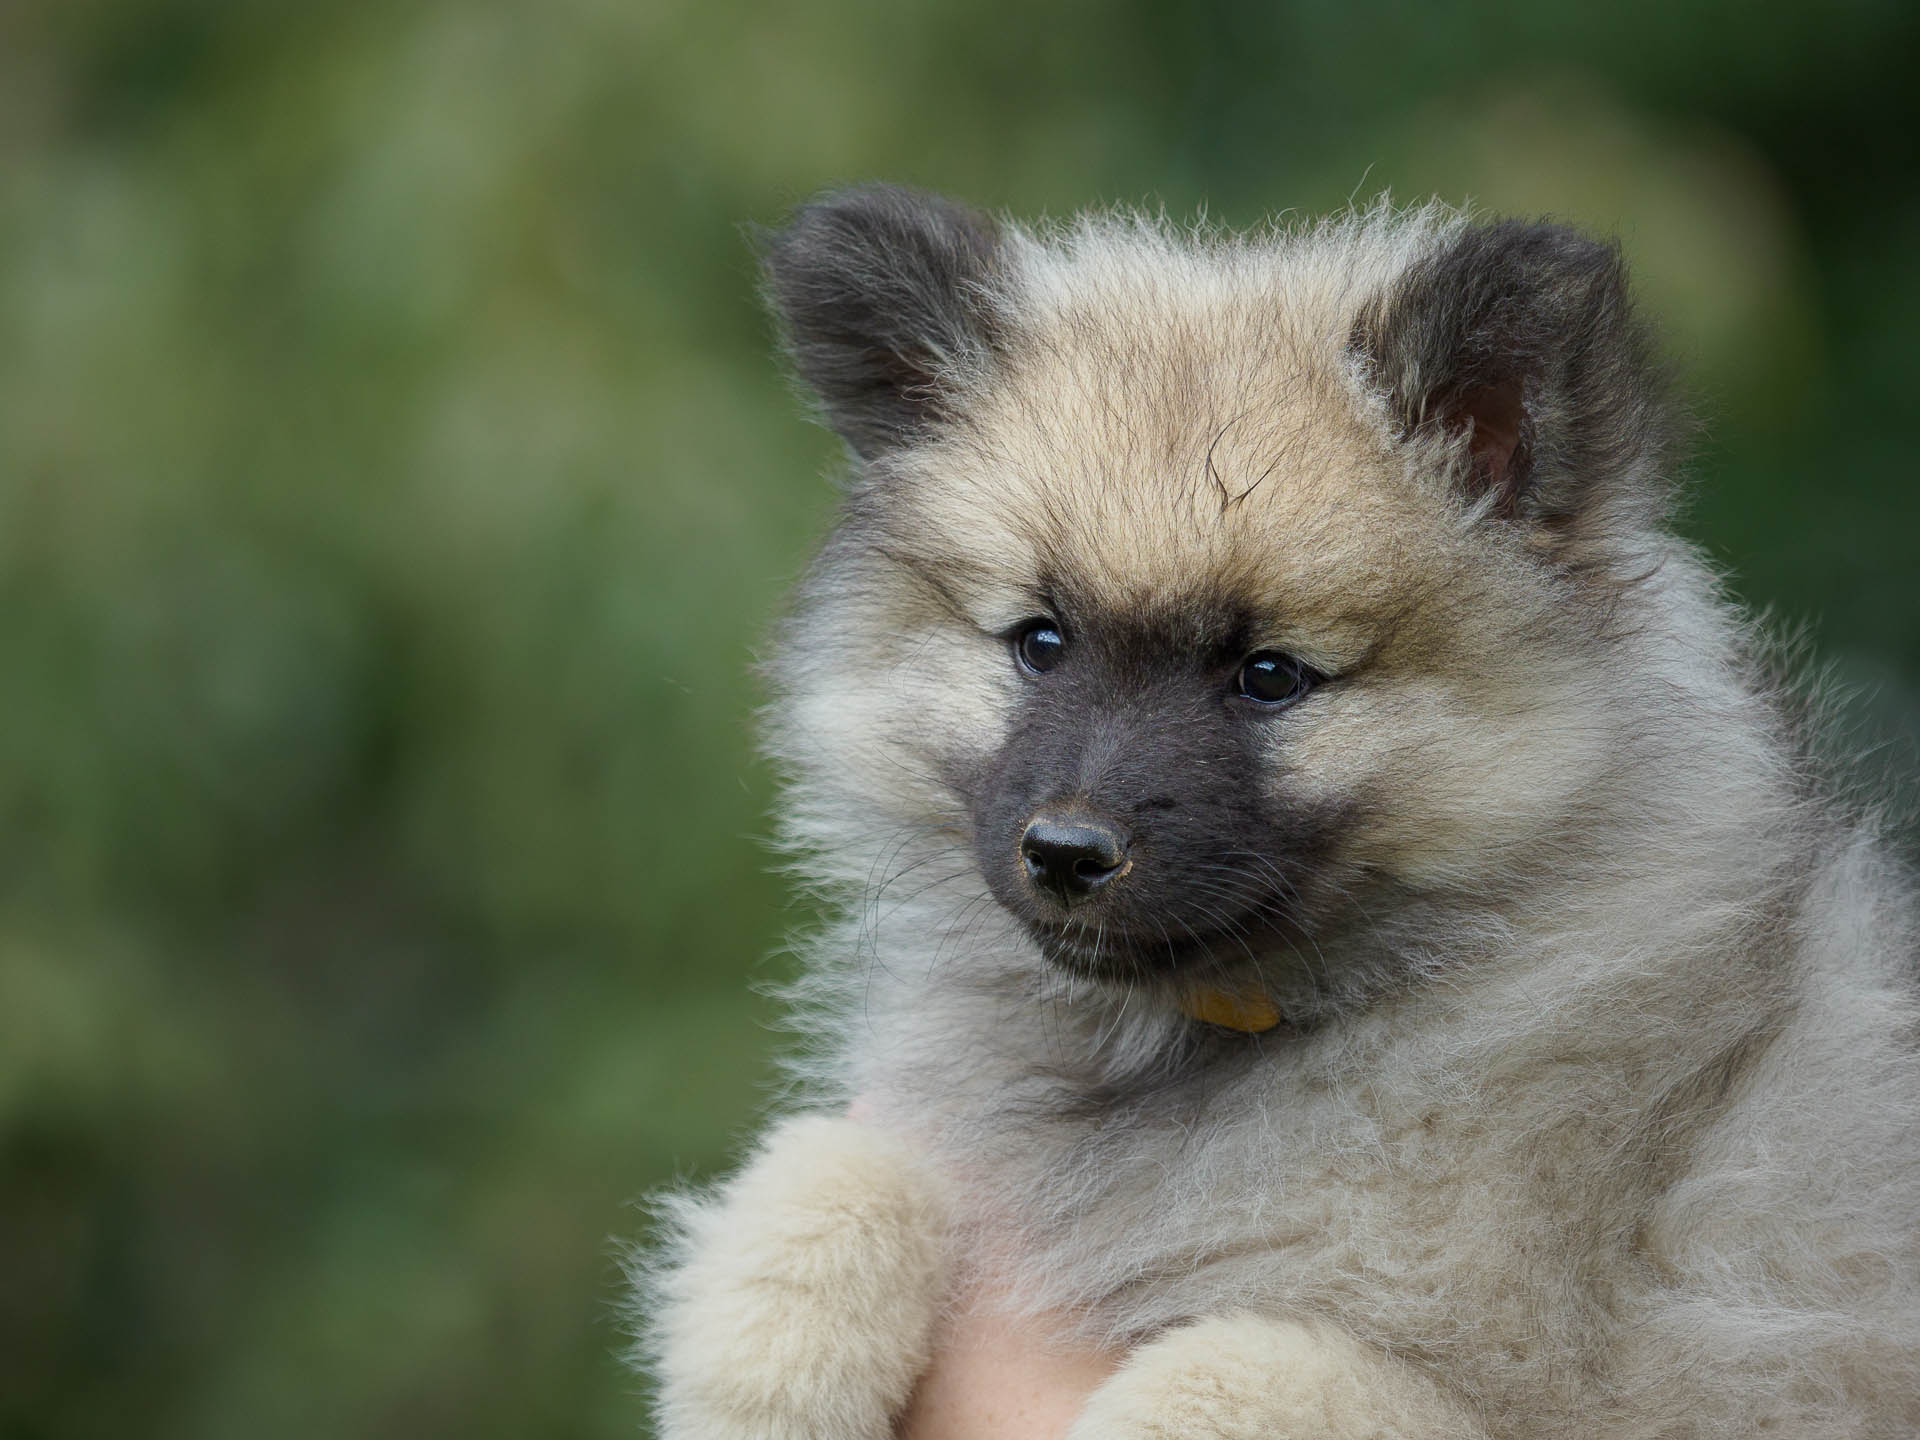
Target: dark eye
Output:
{"points": [[1038, 645], [1274, 678]]}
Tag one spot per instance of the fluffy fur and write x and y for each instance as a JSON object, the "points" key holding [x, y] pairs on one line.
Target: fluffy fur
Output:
{"points": [[827, 1208], [1594, 1112]]}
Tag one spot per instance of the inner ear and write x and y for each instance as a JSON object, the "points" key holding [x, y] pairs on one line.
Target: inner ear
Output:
{"points": [[1494, 417]]}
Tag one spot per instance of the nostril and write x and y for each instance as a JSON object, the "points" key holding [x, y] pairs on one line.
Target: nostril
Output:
{"points": [[1092, 871], [1072, 858]]}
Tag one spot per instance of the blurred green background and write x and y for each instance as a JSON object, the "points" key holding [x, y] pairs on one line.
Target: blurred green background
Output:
{"points": [[394, 483]]}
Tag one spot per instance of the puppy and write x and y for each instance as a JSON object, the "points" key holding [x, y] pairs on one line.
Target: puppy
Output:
{"points": [[1331, 895]]}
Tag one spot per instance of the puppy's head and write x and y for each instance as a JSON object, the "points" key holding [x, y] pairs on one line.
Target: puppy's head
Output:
{"points": [[1201, 590]]}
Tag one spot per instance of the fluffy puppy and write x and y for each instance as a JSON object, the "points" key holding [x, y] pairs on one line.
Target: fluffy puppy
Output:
{"points": [[1331, 894]]}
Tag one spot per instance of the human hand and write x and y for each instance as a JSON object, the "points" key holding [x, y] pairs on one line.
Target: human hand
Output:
{"points": [[995, 1378]]}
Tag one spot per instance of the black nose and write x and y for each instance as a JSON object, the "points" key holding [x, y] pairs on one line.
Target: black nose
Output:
{"points": [[1072, 857]]}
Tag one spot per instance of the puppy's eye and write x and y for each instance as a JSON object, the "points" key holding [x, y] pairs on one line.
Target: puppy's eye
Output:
{"points": [[1038, 646], [1274, 678]]}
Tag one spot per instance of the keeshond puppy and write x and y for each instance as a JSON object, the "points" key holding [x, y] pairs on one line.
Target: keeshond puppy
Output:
{"points": [[1333, 899]]}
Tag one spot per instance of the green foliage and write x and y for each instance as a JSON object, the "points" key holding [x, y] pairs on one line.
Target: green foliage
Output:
{"points": [[394, 485]]}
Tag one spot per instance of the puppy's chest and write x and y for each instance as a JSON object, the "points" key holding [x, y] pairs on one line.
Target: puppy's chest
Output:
{"points": [[1423, 1222]]}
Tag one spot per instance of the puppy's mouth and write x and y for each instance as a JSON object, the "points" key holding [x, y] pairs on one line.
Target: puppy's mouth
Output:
{"points": [[1163, 949]]}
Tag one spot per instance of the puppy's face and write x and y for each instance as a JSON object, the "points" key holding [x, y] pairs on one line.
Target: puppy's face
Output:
{"points": [[1160, 599]]}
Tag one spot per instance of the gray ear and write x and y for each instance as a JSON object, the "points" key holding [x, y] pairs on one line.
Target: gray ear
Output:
{"points": [[885, 296], [1522, 337]]}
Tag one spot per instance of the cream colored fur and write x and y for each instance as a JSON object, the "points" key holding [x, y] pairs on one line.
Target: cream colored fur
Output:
{"points": [[1244, 1377], [807, 1301], [1611, 1123]]}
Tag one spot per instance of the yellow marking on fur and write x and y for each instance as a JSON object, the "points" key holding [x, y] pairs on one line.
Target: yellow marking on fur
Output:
{"points": [[1249, 1012]]}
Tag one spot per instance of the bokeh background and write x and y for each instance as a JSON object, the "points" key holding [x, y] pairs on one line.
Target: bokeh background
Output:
{"points": [[394, 485]]}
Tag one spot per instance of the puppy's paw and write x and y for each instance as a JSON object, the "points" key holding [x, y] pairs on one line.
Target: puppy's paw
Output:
{"points": [[1248, 1378], [805, 1295]]}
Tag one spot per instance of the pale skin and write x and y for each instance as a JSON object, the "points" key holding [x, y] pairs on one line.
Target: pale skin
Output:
{"points": [[995, 1379]]}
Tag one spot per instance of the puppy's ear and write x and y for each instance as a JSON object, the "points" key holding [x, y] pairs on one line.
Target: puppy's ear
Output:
{"points": [[1522, 338], [886, 299]]}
